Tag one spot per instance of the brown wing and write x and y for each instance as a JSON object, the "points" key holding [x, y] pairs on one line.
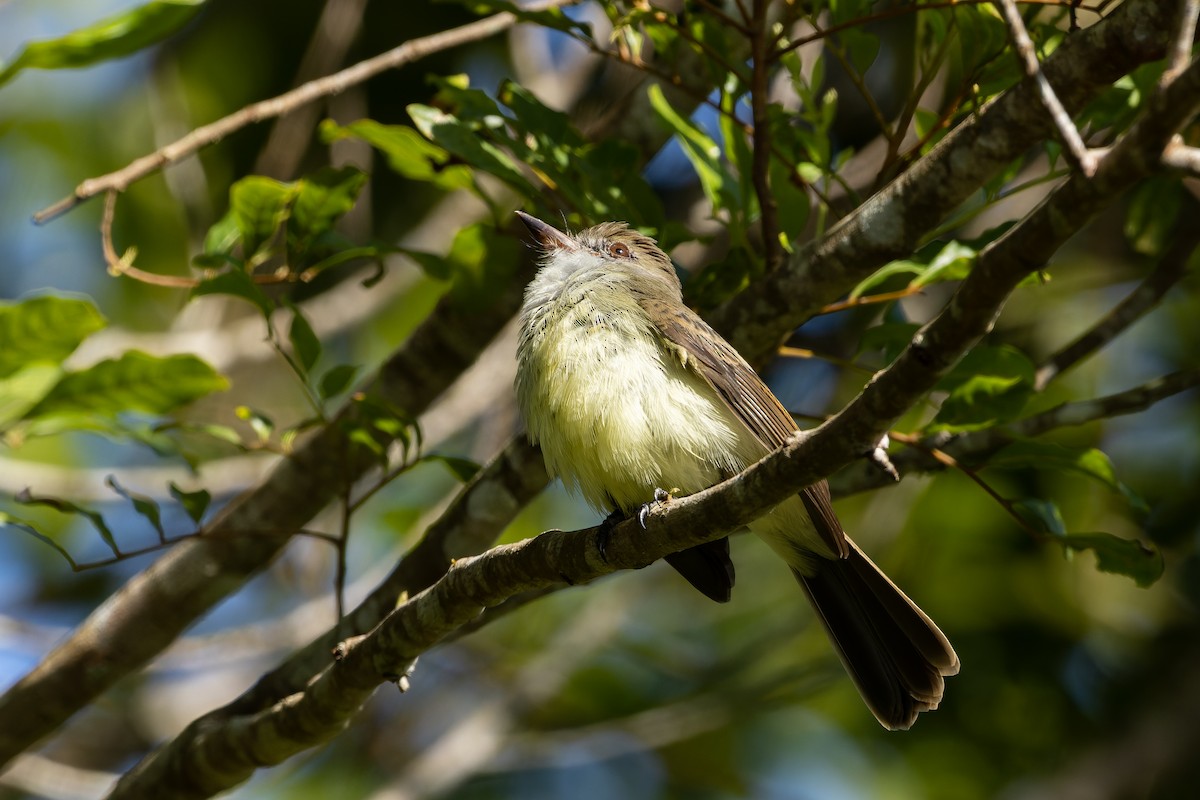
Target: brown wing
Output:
{"points": [[747, 396]]}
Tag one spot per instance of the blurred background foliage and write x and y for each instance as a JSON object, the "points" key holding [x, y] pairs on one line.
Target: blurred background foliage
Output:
{"points": [[371, 204]]}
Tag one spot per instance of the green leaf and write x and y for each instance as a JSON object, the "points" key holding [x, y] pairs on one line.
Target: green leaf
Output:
{"points": [[408, 153], [861, 47], [44, 329], [219, 242], [989, 386], [324, 197], [305, 344], [337, 380], [880, 276], [1033, 454], [259, 206], [465, 142], [115, 37], [27, 498], [237, 283], [141, 504], [9, 520], [25, 389], [1153, 210], [705, 157], [135, 382], [791, 199], [194, 503], [260, 423], [1041, 515], [952, 263], [1137, 560]]}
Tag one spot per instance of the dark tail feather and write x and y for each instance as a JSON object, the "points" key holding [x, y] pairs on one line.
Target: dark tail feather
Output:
{"points": [[707, 567], [895, 654]]}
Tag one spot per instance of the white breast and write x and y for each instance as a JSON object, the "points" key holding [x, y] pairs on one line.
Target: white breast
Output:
{"points": [[616, 414]]}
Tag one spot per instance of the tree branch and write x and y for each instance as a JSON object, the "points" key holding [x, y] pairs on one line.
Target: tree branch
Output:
{"points": [[230, 752], [892, 223], [198, 139], [156, 606], [1083, 158], [150, 611], [1169, 271]]}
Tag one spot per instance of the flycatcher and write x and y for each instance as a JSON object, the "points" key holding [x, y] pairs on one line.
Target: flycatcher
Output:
{"points": [[629, 392]]}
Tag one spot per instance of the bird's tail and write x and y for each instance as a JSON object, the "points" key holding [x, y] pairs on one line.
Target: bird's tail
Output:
{"points": [[893, 651]]}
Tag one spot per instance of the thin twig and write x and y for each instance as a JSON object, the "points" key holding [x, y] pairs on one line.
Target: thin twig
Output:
{"points": [[944, 458], [1144, 298], [336, 31], [1180, 157], [1182, 39], [123, 265], [871, 299], [900, 11], [412, 50], [718, 12], [1085, 159]]}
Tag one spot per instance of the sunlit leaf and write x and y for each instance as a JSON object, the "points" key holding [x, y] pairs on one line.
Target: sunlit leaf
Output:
{"points": [[115, 37], [408, 152], [260, 423], [460, 139], [259, 206], [24, 389], [701, 151], [952, 263], [324, 197], [989, 386], [44, 329], [134, 382]]}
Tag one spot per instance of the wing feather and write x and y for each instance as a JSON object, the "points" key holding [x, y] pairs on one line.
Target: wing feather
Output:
{"points": [[737, 384]]}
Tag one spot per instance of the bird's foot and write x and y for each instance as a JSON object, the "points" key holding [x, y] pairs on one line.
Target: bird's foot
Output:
{"points": [[661, 497]]}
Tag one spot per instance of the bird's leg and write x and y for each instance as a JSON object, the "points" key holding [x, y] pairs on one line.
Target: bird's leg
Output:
{"points": [[606, 528]]}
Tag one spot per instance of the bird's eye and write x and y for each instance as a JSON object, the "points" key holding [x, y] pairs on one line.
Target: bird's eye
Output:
{"points": [[618, 250]]}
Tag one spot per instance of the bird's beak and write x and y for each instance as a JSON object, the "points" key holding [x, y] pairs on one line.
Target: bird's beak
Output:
{"points": [[548, 236]]}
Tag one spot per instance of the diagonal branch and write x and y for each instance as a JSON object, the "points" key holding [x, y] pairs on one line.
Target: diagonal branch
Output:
{"points": [[1170, 271], [155, 607], [229, 753], [1078, 151], [150, 611], [892, 223]]}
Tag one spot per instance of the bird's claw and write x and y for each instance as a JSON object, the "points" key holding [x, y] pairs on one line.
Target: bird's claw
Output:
{"points": [[661, 496]]}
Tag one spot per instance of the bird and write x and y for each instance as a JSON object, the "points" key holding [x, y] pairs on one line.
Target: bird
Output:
{"points": [[628, 392]]}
